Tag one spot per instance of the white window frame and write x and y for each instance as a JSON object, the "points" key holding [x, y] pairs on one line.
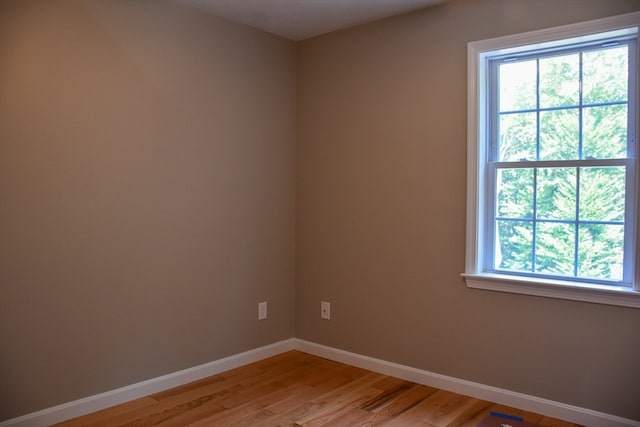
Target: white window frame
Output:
{"points": [[478, 54]]}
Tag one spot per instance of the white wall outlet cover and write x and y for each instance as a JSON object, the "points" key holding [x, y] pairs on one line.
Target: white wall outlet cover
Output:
{"points": [[325, 310], [262, 310]]}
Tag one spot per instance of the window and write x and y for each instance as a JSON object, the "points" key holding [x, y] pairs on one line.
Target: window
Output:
{"points": [[552, 163]]}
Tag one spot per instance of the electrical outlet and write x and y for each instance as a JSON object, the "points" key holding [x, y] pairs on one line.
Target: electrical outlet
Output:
{"points": [[262, 310], [325, 310]]}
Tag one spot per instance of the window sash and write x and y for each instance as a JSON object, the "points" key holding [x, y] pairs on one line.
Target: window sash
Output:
{"points": [[494, 62], [628, 221]]}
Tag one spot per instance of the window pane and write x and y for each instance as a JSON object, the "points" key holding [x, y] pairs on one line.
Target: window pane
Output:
{"points": [[556, 193], [559, 81], [555, 248], [605, 132], [514, 189], [605, 75], [513, 249], [559, 134], [517, 140], [602, 192], [601, 251], [517, 86]]}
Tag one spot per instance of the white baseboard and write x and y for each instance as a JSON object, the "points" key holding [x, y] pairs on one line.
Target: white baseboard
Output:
{"points": [[574, 414], [66, 411], [87, 405]]}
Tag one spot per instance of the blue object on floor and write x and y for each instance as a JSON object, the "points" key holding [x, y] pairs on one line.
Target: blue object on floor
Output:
{"points": [[506, 416]]}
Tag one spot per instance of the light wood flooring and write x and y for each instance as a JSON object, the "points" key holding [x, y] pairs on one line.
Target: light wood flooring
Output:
{"points": [[298, 389]]}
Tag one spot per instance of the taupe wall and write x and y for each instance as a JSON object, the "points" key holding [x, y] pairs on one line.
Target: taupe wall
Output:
{"points": [[146, 194], [381, 174]]}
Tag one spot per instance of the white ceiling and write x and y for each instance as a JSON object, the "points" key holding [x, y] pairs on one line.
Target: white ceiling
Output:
{"points": [[301, 19]]}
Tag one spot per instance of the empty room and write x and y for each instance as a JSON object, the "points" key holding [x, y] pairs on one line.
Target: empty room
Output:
{"points": [[366, 212]]}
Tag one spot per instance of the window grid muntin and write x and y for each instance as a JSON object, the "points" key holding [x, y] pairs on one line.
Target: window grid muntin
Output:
{"points": [[493, 165], [534, 231], [576, 226], [574, 107], [581, 124]]}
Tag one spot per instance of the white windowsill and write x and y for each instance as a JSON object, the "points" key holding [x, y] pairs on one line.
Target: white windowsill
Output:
{"points": [[586, 292]]}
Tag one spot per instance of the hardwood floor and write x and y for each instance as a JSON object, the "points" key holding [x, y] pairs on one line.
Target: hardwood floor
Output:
{"points": [[298, 389]]}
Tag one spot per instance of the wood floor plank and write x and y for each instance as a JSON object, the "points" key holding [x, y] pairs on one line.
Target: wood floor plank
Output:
{"points": [[297, 389], [330, 413], [186, 418], [217, 393], [109, 413], [295, 410], [472, 416], [352, 418], [389, 392], [256, 407], [552, 422], [339, 401], [160, 413], [274, 382], [280, 412], [400, 404], [189, 387], [440, 409]]}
